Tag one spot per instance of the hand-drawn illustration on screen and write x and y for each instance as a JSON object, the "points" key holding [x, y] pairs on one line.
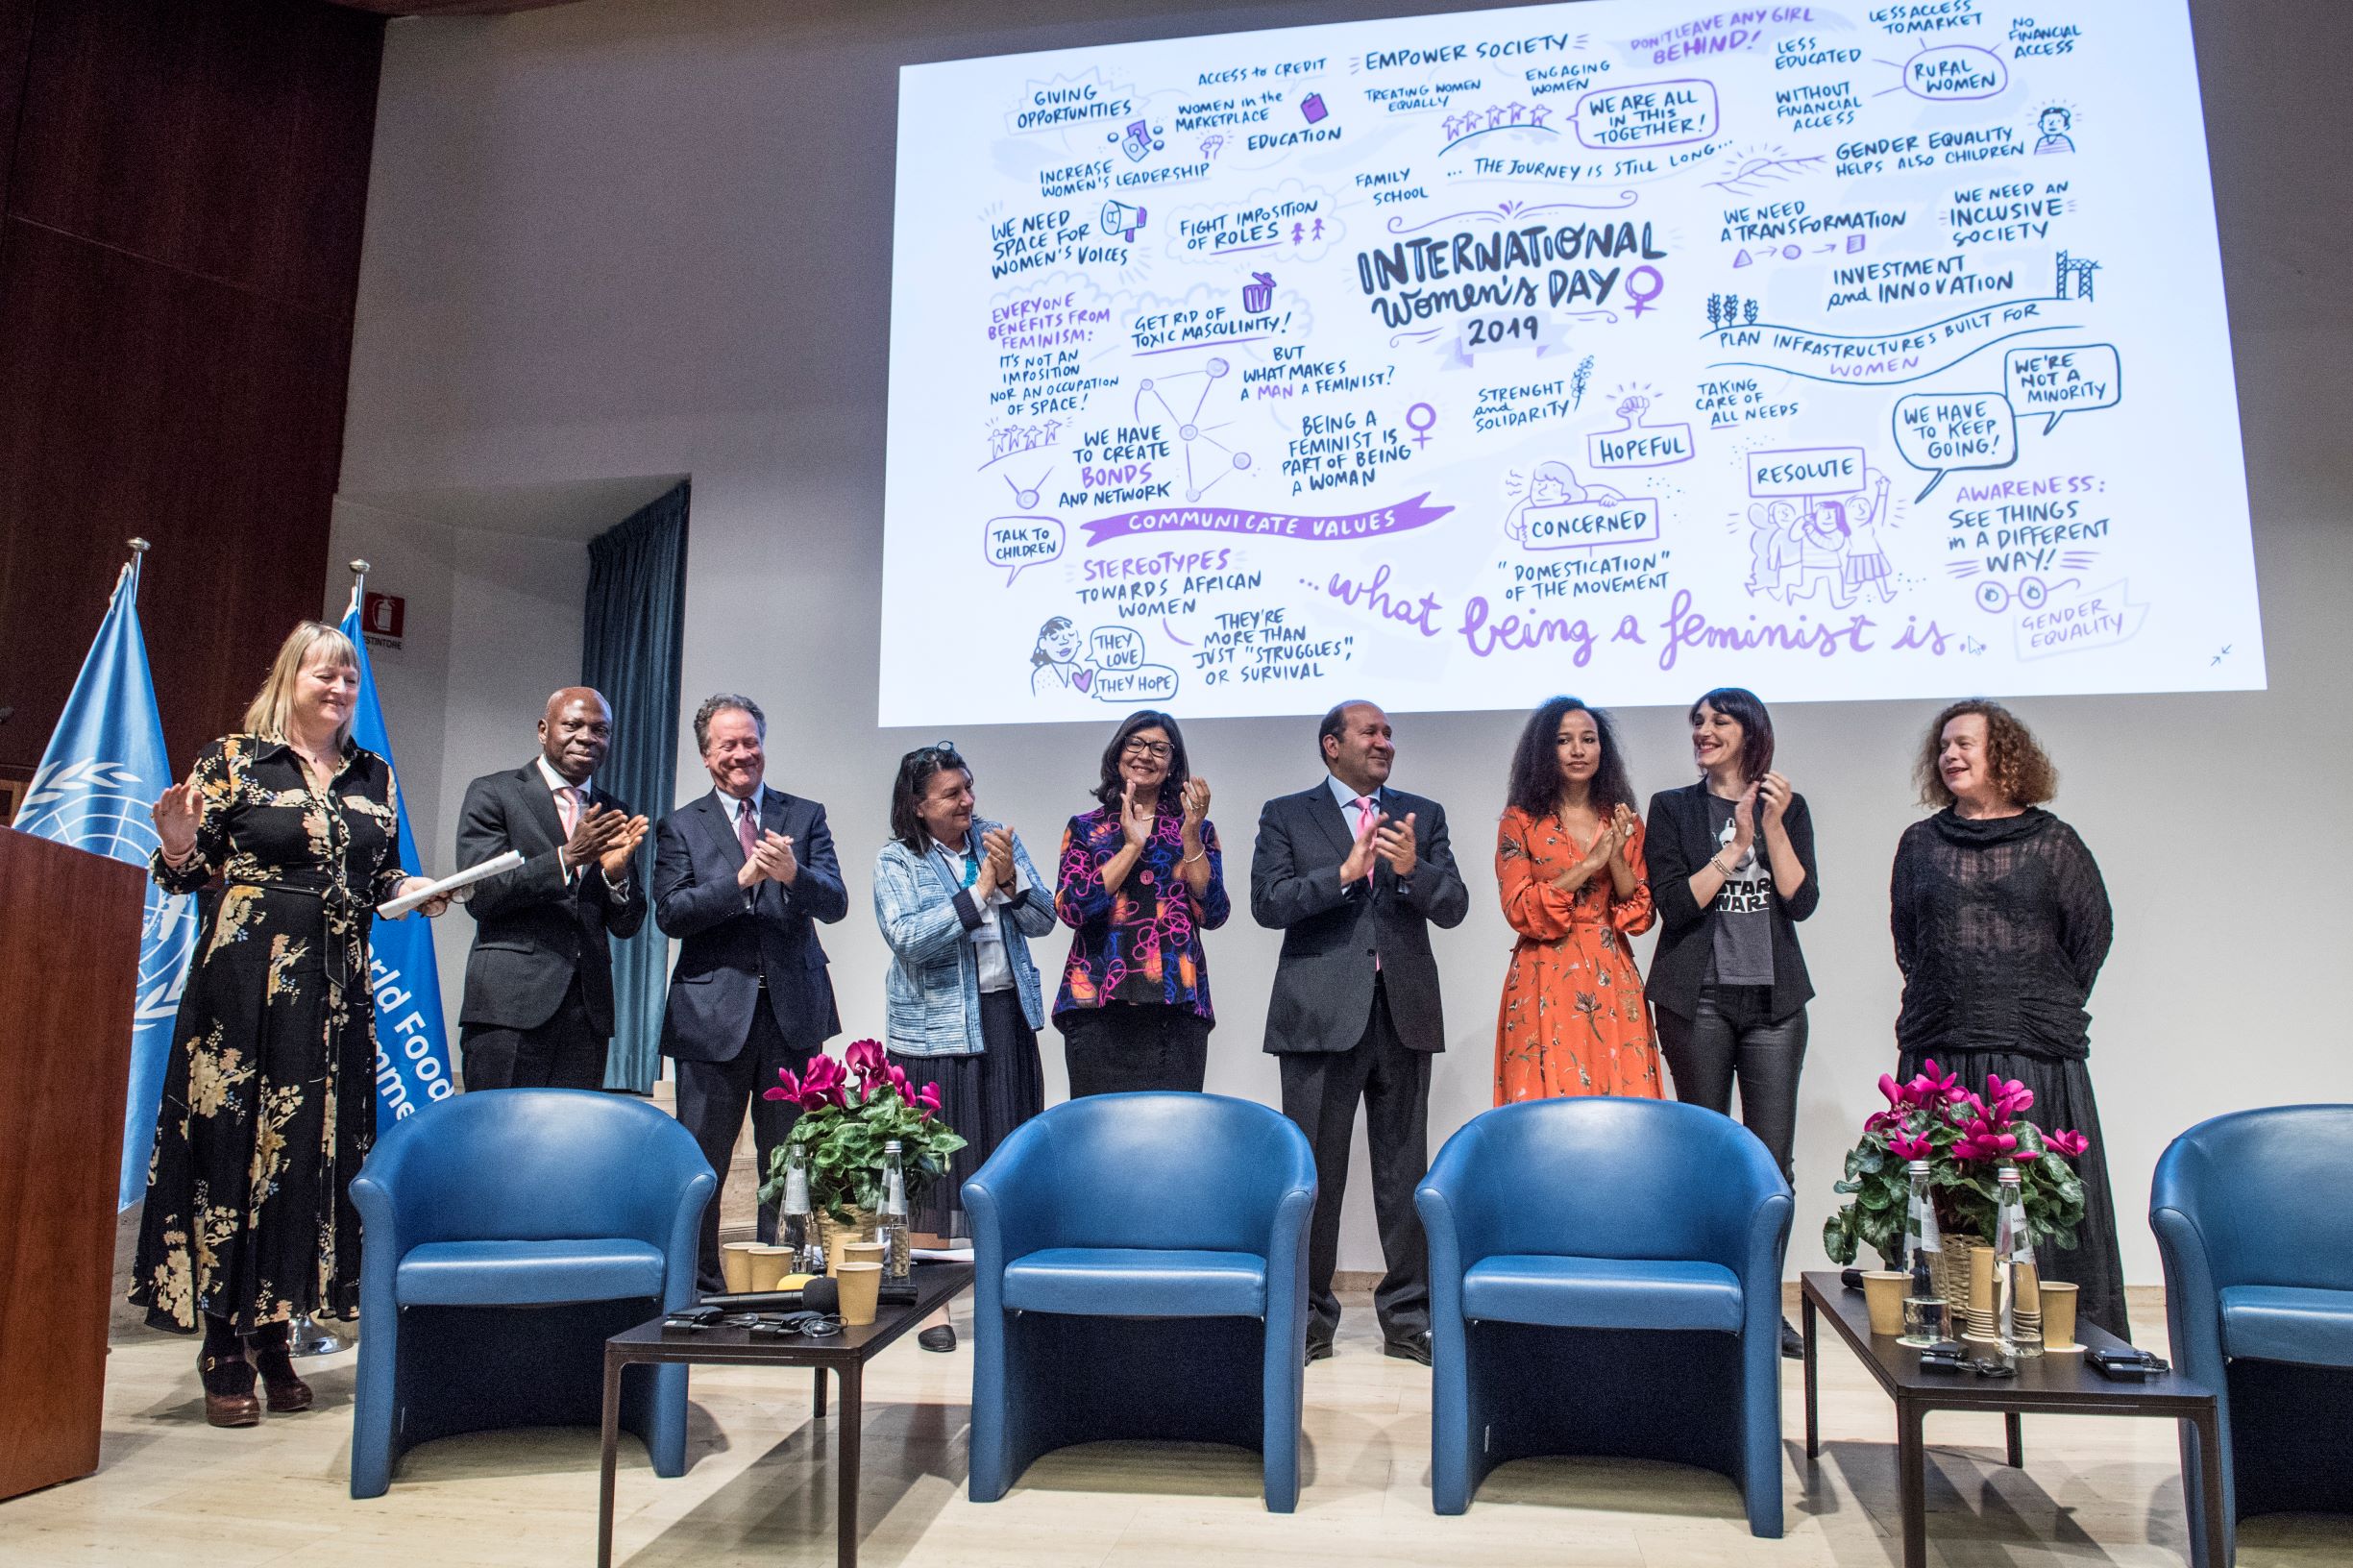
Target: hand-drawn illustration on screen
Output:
{"points": [[2056, 126], [1553, 511], [1207, 459], [1865, 563], [1815, 523], [1057, 663]]}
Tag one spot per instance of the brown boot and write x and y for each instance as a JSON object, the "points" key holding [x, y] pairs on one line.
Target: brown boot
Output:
{"points": [[287, 1391], [228, 1390]]}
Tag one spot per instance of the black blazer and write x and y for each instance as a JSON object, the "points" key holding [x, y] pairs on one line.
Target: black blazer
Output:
{"points": [[1678, 843], [1324, 980], [730, 941], [533, 929]]}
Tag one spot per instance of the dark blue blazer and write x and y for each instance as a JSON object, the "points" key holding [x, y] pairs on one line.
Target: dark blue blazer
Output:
{"points": [[730, 941], [1323, 989]]}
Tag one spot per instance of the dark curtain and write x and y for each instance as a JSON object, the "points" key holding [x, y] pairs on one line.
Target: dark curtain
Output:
{"points": [[630, 651]]}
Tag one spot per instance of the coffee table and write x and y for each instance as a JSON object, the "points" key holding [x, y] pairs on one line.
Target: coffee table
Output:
{"points": [[845, 1354], [2062, 1385]]}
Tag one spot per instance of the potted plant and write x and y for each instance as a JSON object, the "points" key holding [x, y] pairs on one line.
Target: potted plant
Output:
{"points": [[1965, 1139], [848, 1110]]}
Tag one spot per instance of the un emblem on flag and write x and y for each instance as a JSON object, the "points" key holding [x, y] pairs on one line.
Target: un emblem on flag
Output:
{"points": [[105, 807]]}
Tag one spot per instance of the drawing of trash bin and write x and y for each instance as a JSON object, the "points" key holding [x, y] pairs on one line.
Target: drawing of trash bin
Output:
{"points": [[1259, 294]]}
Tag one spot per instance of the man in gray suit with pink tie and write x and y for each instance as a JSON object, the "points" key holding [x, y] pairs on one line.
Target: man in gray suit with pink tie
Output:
{"points": [[1354, 873]]}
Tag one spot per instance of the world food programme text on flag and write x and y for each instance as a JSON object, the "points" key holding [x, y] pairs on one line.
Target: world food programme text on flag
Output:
{"points": [[412, 1045], [95, 788]]}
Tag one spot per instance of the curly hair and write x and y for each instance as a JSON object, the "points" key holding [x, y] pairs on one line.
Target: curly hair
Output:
{"points": [[2022, 769], [717, 703], [1535, 762], [1111, 786]]}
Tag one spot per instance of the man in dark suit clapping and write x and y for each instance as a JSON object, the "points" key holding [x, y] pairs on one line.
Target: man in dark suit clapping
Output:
{"points": [[538, 1012], [740, 877], [1354, 873]]}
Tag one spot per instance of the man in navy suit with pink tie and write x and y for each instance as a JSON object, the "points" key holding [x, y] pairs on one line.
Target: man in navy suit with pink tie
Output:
{"points": [[741, 877]]}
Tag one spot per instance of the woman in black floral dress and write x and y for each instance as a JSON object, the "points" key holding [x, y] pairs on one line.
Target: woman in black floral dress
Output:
{"points": [[269, 1100]]}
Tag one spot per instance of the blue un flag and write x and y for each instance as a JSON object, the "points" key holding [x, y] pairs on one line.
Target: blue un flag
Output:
{"points": [[412, 1044], [96, 785]]}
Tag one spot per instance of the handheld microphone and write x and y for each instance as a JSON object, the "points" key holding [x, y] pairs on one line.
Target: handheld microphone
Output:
{"points": [[816, 1294]]}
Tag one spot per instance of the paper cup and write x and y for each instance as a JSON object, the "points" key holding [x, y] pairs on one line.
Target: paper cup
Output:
{"points": [[1980, 1294], [768, 1265], [860, 1283], [837, 1240], [735, 1263], [1883, 1293], [864, 1252], [2059, 1315]]}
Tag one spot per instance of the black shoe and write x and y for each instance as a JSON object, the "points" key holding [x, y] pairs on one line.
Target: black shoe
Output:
{"points": [[1319, 1348], [940, 1337], [1411, 1347], [1793, 1344]]}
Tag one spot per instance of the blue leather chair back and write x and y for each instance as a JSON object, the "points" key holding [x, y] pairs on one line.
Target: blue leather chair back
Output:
{"points": [[2270, 1193], [533, 1164], [1182, 1172], [1658, 1179]]}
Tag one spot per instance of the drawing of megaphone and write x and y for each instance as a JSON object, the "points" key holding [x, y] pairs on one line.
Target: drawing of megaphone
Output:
{"points": [[1121, 219]]}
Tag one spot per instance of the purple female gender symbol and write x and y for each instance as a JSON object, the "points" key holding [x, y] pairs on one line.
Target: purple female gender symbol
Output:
{"points": [[1421, 427], [1635, 284]]}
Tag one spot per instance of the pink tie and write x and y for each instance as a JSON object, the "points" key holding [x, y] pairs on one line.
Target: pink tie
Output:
{"points": [[743, 830], [567, 807], [1368, 820]]}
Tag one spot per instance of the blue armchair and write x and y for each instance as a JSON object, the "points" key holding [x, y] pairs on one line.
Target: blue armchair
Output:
{"points": [[506, 1235], [2254, 1217], [1138, 1258], [1605, 1278]]}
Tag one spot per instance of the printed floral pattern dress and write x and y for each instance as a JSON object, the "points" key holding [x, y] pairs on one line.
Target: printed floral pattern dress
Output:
{"points": [[1572, 1018], [1140, 941], [269, 1100]]}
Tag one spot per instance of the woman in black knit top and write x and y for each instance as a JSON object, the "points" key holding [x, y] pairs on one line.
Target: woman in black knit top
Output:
{"points": [[2002, 923]]}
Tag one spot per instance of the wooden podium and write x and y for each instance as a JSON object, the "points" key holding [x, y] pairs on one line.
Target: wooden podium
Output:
{"points": [[69, 966]]}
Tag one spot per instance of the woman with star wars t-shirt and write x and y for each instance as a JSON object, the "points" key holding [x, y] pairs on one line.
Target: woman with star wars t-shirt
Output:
{"points": [[1731, 874]]}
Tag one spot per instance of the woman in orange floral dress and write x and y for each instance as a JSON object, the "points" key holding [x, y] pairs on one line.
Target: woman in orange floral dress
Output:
{"points": [[1569, 859]]}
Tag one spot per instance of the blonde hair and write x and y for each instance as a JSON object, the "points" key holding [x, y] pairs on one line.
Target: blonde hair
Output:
{"points": [[266, 714]]}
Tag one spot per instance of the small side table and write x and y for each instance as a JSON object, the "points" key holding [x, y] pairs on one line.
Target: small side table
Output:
{"points": [[2049, 1385], [845, 1354]]}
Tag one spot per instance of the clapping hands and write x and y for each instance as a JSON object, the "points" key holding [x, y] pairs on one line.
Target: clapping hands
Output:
{"points": [[997, 870]]}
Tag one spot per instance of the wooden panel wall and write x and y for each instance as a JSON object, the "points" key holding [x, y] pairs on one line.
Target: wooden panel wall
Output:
{"points": [[183, 187]]}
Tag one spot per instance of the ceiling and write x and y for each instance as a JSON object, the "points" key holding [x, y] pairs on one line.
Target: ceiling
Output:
{"points": [[446, 8], [568, 509]]}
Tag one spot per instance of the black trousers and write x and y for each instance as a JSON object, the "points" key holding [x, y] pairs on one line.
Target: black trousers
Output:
{"points": [[565, 1052], [1731, 1035], [1320, 1091], [711, 1099], [1125, 1046]]}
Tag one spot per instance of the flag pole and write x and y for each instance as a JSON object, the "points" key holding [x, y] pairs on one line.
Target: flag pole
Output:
{"points": [[131, 567], [359, 585]]}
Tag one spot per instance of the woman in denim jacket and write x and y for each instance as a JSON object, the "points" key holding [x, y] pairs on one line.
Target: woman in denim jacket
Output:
{"points": [[958, 900]]}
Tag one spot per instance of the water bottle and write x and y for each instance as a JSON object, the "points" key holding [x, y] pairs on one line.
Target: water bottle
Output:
{"points": [[2018, 1302], [800, 1232], [890, 1216], [1922, 1246]]}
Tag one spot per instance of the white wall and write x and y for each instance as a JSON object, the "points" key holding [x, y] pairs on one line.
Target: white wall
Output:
{"points": [[631, 237], [493, 626]]}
